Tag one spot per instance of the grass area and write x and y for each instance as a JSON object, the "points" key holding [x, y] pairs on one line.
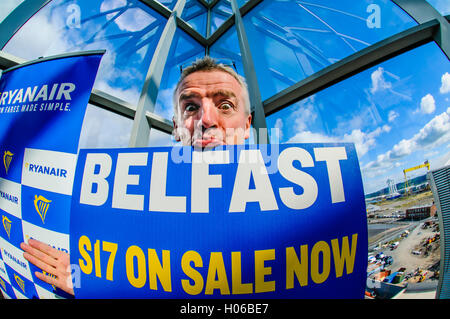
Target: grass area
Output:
{"points": [[405, 202]]}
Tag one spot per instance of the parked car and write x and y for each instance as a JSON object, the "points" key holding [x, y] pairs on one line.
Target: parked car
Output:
{"points": [[388, 260], [380, 255], [394, 245]]}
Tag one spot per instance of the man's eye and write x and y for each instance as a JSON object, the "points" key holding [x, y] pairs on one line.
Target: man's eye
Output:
{"points": [[226, 106], [191, 107]]}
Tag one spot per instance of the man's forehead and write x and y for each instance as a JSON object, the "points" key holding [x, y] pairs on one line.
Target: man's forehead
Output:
{"points": [[214, 80]]}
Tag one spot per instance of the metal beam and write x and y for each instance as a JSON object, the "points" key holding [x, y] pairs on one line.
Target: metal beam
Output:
{"points": [[8, 60], [258, 119], [111, 103], [125, 109], [159, 123], [227, 24], [355, 63], [16, 19], [422, 12], [140, 132], [158, 7], [183, 25]]}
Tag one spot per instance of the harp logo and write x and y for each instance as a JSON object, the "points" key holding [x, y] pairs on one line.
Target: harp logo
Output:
{"points": [[51, 276], [2, 284], [7, 225], [41, 205], [20, 282], [7, 158]]}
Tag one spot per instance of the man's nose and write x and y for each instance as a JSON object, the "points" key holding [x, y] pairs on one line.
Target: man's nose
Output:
{"points": [[208, 114]]}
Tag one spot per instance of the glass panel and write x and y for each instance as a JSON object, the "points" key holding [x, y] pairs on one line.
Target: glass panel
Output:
{"points": [[291, 40], [128, 30], [241, 2], [6, 7], [104, 129], [227, 47], [182, 51], [195, 15], [219, 13], [168, 3], [396, 113], [158, 138], [443, 6]]}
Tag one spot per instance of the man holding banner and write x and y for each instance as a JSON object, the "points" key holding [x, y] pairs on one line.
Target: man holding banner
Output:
{"points": [[214, 224], [211, 108]]}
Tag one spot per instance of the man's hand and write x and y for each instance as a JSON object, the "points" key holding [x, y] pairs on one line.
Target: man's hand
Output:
{"points": [[52, 261]]}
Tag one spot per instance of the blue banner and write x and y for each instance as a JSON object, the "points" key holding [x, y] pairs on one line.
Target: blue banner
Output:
{"points": [[42, 107], [247, 221]]}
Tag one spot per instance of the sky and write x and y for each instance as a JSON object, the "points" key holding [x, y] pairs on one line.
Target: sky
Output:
{"points": [[397, 113]]}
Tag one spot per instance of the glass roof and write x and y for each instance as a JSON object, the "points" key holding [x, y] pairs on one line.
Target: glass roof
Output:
{"points": [[127, 30], [196, 15], [397, 113], [312, 35], [443, 6]]}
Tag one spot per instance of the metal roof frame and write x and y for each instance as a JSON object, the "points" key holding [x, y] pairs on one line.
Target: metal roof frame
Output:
{"points": [[432, 26]]}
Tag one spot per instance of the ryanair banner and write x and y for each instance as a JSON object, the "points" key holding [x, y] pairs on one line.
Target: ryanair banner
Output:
{"points": [[247, 221], [42, 106]]}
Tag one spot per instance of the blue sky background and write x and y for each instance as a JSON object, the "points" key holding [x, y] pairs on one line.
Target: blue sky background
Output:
{"points": [[397, 113]]}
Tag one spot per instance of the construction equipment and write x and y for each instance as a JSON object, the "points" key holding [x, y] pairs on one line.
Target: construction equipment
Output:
{"points": [[425, 164]]}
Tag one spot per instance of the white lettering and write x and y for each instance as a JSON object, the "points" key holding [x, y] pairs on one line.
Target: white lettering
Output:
{"points": [[306, 181], [99, 197], [332, 155], [202, 181], [262, 193], [159, 201], [120, 198]]}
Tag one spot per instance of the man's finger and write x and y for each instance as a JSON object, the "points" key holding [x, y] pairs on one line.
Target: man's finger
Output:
{"points": [[40, 264], [38, 254], [55, 282], [48, 279], [49, 250]]}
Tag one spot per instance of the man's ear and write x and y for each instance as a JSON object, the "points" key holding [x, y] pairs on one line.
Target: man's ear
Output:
{"points": [[248, 126], [175, 130]]}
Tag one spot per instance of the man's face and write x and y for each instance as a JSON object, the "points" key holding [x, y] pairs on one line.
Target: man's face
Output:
{"points": [[211, 110]]}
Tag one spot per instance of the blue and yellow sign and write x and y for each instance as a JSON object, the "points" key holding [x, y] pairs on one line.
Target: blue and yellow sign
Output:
{"points": [[247, 221], [42, 107]]}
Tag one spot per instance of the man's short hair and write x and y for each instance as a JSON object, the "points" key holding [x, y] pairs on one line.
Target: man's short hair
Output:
{"points": [[208, 64]]}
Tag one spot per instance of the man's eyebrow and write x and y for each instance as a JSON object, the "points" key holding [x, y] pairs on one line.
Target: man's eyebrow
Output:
{"points": [[219, 92], [187, 96], [224, 93]]}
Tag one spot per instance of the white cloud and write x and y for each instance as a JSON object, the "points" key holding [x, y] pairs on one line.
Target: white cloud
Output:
{"points": [[392, 116], [279, 128], [378, 81], [133, 19], [435, 133], [305, 114], [427, 104], [445, 83], [363, 141]]}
